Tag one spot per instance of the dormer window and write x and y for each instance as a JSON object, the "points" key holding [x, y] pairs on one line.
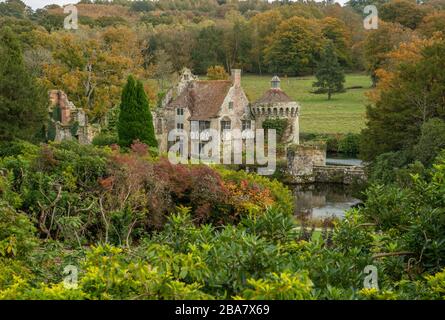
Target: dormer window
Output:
{"points": [[180, 111], [230, 105]]}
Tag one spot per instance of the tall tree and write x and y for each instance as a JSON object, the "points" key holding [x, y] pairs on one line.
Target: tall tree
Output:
{"points": [[294, 45], [380, 42], [329, 74], [135, 119], [208, 50], [414, 95], [23, 103], [406, 12], [335, 30]]}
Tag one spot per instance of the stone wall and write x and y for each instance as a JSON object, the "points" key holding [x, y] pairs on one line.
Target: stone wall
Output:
{"points": [[301, 160], [307, 164], [339, 174], [73, 122]]}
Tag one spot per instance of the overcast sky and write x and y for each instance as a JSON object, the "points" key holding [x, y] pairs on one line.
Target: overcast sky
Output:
{"points": [[41, 3]]}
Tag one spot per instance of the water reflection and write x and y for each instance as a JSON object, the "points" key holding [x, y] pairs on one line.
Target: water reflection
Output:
{"points": [[320, 201]]}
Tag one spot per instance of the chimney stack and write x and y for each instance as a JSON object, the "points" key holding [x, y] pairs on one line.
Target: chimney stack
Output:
{"points": [[236, 77]]}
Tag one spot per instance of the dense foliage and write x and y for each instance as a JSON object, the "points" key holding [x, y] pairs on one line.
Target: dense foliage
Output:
{"points": [[22, 100], [135, 227], [407, 98]]}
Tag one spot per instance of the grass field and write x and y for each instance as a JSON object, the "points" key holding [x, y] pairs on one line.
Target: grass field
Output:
{"points": [[344, 113]]}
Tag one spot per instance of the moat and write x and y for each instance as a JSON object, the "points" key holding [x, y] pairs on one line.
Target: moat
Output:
{"points": [[319, 201]]}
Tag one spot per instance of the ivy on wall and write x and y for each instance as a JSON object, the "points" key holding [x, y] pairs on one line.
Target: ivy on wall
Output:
{"points": [[279, 124]]}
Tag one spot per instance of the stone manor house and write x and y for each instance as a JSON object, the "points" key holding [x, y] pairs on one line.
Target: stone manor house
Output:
{"points": [[195, 105]]}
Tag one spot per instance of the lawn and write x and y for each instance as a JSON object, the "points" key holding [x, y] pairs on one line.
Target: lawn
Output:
{"points": [[344, 113]]}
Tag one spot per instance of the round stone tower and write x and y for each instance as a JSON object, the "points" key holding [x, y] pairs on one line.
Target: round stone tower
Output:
{"points": [[276, 104]]}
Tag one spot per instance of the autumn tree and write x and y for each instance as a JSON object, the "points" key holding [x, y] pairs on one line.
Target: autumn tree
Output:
{"points": [[23, 102], [262, 25], [91, 66], [414, 95], [217, 73], [162, 69], [405, 12], [335, 30], [359, 5], [236, 41], [294, 46], [432, 23], [13, 8], [380, 42], [329, 74], [135, 119]]}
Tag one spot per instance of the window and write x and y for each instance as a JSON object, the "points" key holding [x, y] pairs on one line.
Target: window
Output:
{"points": [[204, 135], [225, 125], [230, 105], [179, 111], [180, 126], [204, 125], [246, 125]]}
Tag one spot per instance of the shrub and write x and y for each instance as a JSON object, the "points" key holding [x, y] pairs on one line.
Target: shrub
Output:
{"points": [[17, 233], [217, 73], [281, 195], [349, 144], [431, 141], [278, 124], [105, 139], [283, 286]]}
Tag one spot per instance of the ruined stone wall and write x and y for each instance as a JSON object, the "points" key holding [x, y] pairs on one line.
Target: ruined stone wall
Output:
{"points": [[307, 164], [73, 122], [301, 160]]}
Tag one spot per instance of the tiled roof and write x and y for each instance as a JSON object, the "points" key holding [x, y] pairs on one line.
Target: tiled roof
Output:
{"points": [[203, 98], [273, 96]]}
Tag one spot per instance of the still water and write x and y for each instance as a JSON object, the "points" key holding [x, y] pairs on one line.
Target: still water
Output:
{"points": [[319, 201]]}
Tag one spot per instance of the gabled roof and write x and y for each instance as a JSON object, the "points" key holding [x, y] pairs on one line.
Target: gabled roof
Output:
{"points": [[203, 98], [272, 96]]}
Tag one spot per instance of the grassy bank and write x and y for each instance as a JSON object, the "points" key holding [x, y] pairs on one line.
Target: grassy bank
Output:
{"points": [[344, 113]]}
